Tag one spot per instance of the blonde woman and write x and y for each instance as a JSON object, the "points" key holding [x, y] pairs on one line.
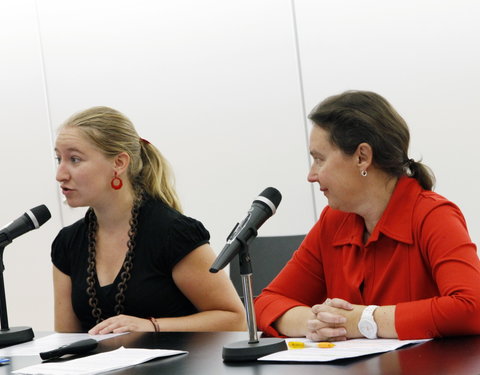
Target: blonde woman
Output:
{"points": [[134, 262]]}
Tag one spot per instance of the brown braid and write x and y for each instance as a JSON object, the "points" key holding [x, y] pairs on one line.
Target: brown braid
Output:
{"points": [[126, 267]]}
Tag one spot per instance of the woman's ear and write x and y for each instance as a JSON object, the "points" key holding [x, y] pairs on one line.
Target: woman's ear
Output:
{"points": [[364, 156], [121, 162]]}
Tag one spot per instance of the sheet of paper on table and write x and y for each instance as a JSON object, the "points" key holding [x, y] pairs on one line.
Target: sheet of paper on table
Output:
{"points": [[50, 342], [98, 363], [342, 349]]}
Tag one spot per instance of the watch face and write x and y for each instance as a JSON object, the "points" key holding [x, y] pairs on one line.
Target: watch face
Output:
{"points": [[367, 325]]}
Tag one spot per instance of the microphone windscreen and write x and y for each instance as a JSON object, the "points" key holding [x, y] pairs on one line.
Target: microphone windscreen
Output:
{"points": [[41, 213], [273, 195]]}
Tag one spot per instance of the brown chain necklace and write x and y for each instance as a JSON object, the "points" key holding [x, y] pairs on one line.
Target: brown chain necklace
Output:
{"points": [[126, 267]]}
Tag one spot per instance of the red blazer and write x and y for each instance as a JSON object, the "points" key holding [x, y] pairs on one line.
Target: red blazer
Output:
{"points": [[419, 258]]}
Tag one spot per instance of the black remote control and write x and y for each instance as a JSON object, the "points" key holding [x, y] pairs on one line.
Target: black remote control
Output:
{"points": [[77, 347]]}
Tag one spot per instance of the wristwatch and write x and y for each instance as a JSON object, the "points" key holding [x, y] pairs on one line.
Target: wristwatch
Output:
{"points": [[367, 325]]}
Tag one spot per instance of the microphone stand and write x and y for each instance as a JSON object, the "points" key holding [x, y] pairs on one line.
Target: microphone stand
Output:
{"points": [[14, 335], [253, 348]]}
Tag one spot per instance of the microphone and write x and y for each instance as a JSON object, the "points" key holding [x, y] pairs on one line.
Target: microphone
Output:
{"points": [[262, 208], [31, 219]]}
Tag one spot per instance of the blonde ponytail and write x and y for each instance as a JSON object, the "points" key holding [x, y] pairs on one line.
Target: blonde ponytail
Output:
{"points": [[156, 176]]}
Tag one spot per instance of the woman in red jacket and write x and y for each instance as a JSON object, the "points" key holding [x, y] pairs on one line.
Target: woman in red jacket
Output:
{"points": [[388, 257]]}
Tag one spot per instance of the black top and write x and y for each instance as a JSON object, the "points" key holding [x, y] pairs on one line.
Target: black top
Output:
{"points": [[164, 237]]}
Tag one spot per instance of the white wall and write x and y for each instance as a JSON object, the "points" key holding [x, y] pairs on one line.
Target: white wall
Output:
{"points": [[423, 56], [222, 88], [28, 170]]}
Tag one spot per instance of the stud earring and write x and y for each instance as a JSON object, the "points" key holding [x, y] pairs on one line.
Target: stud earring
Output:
{"points": [[117, 182], [364, 173]]}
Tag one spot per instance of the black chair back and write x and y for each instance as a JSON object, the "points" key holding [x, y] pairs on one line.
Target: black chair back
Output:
{"points": [[268, 256]]}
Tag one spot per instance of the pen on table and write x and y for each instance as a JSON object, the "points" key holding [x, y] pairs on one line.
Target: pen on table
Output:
{"points": [[301, 345], [4, 361]]}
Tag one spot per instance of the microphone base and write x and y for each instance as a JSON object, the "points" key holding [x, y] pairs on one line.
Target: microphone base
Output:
{"points": [[15, 335], [246, 351]]}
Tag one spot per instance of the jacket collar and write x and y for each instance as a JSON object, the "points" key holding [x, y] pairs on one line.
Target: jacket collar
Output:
{"points": [[396, 221]]}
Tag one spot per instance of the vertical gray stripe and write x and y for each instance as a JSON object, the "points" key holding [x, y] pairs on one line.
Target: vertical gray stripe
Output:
{"points": [[302, 99], [47, 106]]}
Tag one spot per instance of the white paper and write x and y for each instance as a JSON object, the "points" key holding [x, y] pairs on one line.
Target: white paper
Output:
{"points": [[50, 342], [98, 363], [342, 349]]}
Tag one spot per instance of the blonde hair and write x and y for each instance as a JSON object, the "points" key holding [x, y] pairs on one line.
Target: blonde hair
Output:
{"points": [[112, 132]]}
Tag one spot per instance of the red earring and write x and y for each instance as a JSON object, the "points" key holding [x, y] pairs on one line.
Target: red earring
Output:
{"points": [[117, 182]]}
